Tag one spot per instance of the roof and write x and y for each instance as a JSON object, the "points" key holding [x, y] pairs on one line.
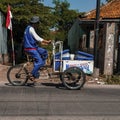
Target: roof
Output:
{"points": [[108, 11]]}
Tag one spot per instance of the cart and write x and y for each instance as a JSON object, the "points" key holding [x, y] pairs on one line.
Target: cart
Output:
{"points": [[71, 72]]}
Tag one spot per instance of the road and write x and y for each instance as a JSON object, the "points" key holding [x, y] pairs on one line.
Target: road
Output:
{"points": [[50, 102]]}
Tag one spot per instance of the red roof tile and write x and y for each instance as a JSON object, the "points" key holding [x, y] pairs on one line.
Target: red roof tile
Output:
{"points": [[109, 10]]}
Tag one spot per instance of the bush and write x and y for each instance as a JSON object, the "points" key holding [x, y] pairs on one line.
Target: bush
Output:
{"points": [[114, 79]]}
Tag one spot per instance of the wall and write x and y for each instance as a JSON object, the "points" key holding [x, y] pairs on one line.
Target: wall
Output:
{"points": [[3, 40], [109, 48]]}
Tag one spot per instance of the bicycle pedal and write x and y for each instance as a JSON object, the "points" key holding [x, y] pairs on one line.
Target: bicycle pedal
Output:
{"points": [[30, 77]]}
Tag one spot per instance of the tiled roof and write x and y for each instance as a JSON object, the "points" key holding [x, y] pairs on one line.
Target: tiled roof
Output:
{"points": [[109, 10]]}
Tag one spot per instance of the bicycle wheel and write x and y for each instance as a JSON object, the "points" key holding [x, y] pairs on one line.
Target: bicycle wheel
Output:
{"points": [[73, 78], [17, 75]]}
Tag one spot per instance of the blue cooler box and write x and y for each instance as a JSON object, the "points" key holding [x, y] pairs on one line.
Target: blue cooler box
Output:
{"points": [[65, 56], [79, 55]]}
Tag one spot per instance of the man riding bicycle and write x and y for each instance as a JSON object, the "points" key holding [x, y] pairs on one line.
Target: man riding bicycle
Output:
{"points": [[30, 46]]}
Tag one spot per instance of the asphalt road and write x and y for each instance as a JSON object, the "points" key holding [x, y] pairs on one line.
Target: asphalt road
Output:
{"points": [[50, 102]]}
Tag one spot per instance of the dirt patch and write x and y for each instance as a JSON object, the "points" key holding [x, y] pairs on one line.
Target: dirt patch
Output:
{"points": [[3, 72], [4, 69]]}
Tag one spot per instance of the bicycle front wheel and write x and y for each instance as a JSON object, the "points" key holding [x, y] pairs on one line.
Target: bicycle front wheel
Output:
{"points": [[73, 78], [17, 75]]}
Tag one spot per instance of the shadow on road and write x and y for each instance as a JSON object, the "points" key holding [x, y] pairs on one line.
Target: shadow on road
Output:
{"points": [[56, 85]]}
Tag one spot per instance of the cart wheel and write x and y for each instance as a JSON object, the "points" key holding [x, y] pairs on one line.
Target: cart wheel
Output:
{"points": [[73, 78]]}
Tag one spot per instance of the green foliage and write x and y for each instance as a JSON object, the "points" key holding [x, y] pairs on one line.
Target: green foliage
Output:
{"points": [[22, 10], [108, 0], [59, 17], [64, 17], [114, 79]]}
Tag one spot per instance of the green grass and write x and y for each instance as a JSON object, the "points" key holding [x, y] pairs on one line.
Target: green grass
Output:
{"points": [[114, 79]]}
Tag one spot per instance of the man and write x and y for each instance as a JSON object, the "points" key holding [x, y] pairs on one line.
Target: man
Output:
{"points": [[30, 46]]}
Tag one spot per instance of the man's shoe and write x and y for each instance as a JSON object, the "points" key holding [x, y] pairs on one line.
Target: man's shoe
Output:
{"points": [[31, 77]]}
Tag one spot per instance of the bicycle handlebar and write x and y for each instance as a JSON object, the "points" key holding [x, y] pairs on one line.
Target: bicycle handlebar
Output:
{"points": [[56, 43]]}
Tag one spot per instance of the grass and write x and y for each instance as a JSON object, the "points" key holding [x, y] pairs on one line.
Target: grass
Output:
{"points": [[112, 80]]}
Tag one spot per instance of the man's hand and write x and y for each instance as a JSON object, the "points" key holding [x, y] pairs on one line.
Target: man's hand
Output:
{"points": [[49, 41], [46, 42]]}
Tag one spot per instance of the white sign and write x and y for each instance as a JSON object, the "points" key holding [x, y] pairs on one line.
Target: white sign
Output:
{"points": [[85, 65]]}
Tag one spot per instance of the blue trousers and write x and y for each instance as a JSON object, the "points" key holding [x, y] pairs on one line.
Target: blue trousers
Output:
{"points": [[40, 55]]}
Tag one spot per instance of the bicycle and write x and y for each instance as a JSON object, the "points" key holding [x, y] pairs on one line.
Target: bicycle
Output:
{"points": [[72, 78]]}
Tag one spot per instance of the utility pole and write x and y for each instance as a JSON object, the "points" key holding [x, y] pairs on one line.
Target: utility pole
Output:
{"points": [[96, 34], [96, 37]]}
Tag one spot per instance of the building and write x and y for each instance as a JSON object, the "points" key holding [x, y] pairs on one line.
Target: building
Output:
{"points": [[108, 48], [3, 39], [109, 36]]}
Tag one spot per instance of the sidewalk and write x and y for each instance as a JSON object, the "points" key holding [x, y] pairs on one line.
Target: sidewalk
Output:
{"points": [[3, 73], [3, 78]]}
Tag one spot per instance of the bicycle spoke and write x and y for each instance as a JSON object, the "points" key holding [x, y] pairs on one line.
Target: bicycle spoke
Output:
{"points": [[17, 75]]}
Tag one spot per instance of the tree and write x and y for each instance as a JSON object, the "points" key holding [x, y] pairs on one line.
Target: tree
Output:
{"points": [[108, 0], [59, 17], [64, 18], [22, 11]]}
